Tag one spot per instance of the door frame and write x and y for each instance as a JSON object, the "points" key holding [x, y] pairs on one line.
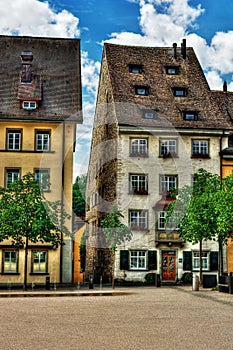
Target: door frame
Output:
{"points": [[162, 250]]}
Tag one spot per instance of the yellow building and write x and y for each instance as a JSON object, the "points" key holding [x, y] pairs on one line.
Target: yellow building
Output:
{"points": [[40, 106]]}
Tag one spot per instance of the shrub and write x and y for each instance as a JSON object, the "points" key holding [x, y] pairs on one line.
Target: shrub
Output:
{"points": [[187, 278]]}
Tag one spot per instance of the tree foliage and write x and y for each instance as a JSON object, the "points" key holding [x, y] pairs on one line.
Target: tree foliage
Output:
{"points": [[79, 190], [114, 230], [25, 213]]}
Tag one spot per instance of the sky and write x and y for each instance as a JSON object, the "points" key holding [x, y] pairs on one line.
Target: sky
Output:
{"points": [[206, 25]]}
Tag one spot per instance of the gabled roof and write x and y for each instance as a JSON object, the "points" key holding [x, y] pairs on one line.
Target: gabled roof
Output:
{"points": [[55, 83], [168, 109]]}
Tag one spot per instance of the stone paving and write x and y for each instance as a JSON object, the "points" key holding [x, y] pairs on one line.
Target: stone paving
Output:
{"points": [[126, 318]]}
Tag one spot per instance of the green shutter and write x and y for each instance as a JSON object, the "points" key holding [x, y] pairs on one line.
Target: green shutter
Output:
{"points": [[187, 261], [213, 261], [152, 260], [124, 259]]}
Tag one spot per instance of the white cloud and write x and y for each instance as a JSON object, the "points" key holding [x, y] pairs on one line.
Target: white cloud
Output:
{"points": [[90, 73], [36, 18]]}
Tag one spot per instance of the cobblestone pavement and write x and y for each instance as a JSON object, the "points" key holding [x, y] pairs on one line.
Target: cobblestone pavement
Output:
{"points": [[141, 318]]}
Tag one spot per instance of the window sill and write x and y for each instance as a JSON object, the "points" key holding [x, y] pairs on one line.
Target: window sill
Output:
{"points": [[10, 273], [203, 156], [139, 193], [138, 228], [142, 155], [39, 274]]}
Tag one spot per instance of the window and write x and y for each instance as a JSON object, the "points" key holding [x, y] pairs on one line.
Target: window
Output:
{"points": [[179, 92], [141, 90], [205, 260], [200, 148], [138, 184], [138, 147], [42, 140], [138, 220], [42, 176], [138, 259], [149, 114], [190, 115], [11, 176], [14, 140], [172, 70], [29, 104], [39, 261], [166, 225], [168, 147], [10, 261], [135, 68], [168, 182]]}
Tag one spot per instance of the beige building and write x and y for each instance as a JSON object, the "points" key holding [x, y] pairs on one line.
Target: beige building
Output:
{"points": [[156, 123], [40, 107]]}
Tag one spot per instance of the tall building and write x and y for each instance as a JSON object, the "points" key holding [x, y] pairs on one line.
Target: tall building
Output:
{"points": [[156, 123], [40, 94]]}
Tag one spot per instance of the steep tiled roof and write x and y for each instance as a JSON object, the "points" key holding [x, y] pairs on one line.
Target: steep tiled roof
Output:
{"points": [[167, 108], [56, 81]]}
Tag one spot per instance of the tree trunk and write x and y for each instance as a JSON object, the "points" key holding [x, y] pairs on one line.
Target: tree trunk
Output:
{"points": [[113, 268], [200, 263], [26, 265]]}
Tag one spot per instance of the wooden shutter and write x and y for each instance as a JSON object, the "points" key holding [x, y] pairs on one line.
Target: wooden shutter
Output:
{"points": [[187, 261], [152, 260], [124, 259], [213, 261]]}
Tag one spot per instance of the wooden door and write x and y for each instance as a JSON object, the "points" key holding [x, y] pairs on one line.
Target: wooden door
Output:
{"points": [[169, 265]]}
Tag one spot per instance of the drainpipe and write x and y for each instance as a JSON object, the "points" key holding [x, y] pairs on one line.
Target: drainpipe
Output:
{"points": [[220, 252], [62, 199]]}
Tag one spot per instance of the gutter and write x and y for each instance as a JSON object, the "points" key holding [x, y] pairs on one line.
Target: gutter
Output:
{"points": [[62, 198]]}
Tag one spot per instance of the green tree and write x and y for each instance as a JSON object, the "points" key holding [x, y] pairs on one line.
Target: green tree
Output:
{"points": [[26, 215], [79, 190], [200, 209], [115, 233]]}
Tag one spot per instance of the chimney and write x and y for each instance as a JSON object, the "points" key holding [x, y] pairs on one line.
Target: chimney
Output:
{"points": [[183, 49], [174, 50], [225, 86]]}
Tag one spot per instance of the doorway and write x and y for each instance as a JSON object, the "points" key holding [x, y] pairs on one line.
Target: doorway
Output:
{"points": [[169, 265]]}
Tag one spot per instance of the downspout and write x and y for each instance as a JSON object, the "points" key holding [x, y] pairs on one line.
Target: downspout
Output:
{"points": [[220, 254], [62, 198]]}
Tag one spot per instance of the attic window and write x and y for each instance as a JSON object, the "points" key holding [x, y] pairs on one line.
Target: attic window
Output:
{"points": [[190, 115], [135, 68], [29, 105], [149, 114], [141, 90], [179, 92], [172, 70]]}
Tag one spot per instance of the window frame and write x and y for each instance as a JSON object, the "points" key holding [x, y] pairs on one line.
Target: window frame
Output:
{"points": [[141, 88], [199, 147], [140, 257], [142, 149], [183, 90], [174, 70], [8, 171], [40, 171], [33, 270], [190, 113], [10, 272], [162, 225], [168, 188], [14, 132], [30, 105], [135, 68], [170, 149], [141, 218], [196, 260], [41, 132], [141, 185]]}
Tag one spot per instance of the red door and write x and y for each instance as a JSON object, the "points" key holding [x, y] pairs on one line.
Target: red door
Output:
{"points": [[169, 265]]}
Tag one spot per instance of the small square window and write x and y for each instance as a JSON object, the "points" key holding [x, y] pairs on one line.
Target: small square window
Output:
{"points": [[29, 104], [149, 114], [172, 70], [135, 68], [142, 90], [179, 92], [192, 115]]}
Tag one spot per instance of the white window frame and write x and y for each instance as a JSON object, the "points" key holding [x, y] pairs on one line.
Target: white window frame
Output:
{"points": [[138, 259], [163, 225], [42, 140], [138, 219], [205, 260], [200, 147], [40, 263], [14, 140], [138, 147], [138, 182], [12, 175], [167, 182], [39, 177], [168, 146], [29, 105]]}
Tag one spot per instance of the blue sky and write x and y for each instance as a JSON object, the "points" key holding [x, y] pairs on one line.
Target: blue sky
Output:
{"points": [[206, 24]]}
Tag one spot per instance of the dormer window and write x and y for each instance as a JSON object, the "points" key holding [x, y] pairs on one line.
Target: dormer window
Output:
{"points": [[26, 75], [172, 70], [142, 90], [190, 115], [29, 105], [179, 92], [135, 68]]}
